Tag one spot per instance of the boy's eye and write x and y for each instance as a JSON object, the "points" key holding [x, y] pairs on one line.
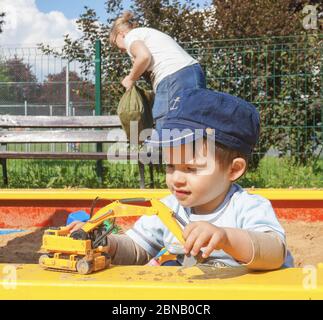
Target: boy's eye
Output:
{"points": [[188, 169]]}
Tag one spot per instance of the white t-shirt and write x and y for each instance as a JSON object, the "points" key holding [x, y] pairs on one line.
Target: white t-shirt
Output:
{"points": [[167, 55], [238, 210]]}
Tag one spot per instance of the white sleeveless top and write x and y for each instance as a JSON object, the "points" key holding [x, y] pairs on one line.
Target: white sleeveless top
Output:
{"points": [[167, 55]]}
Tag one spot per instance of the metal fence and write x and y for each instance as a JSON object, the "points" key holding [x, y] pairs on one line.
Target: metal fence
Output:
{"points": [[282, 76], [32, 82], [25, 109]]}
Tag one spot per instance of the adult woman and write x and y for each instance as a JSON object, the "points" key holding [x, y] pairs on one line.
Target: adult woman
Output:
{"points": [[172, 69]]}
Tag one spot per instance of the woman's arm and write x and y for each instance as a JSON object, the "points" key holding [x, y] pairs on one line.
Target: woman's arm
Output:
{"points": [[141, 61]]}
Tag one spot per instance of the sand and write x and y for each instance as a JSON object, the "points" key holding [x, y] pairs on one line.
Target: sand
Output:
{"points": [[304, 240]]}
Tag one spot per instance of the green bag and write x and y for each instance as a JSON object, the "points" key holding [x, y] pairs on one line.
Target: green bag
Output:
{"points": [[136, 105]]}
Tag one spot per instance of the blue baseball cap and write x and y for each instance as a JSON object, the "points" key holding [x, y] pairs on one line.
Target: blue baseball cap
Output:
{"points": [[197, 113]]}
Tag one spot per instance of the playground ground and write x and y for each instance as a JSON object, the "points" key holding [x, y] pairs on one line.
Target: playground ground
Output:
{"points": [[304, 240]]}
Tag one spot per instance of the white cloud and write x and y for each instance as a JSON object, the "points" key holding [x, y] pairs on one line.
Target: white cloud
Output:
{"points": [[26, 26]]}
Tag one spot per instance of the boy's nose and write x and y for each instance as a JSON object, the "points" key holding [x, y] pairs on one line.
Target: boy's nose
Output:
{"points": [[178, 178]]}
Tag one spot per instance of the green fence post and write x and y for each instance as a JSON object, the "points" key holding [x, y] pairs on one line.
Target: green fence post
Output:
{"points": [[98, 100]]}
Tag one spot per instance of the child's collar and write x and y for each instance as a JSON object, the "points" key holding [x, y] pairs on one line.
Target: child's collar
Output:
{"points": [[234, 187]]}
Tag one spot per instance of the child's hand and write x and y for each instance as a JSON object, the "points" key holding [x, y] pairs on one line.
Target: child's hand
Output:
{"points": [[75, 225], [203, 234]]}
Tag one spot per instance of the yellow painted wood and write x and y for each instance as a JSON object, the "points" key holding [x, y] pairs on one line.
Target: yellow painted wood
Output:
{"points": [[79, 194], [90, 194], [142, 282], [139, 282]]}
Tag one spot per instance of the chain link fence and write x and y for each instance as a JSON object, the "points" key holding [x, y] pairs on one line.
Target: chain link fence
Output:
{"points": [[32, 82], [281, 76]]}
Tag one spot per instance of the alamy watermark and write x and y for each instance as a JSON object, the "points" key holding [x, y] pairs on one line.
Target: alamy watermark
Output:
{"points": [[310, 279], [9, 277], [180, 146], [312, 19]]}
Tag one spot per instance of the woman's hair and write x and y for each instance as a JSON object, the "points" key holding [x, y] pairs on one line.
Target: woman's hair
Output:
{"points": [[124, 22]]}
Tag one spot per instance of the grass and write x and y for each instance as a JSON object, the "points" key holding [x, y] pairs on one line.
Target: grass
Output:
{"points": [[272, 173], [76, 173], [276, 172]]}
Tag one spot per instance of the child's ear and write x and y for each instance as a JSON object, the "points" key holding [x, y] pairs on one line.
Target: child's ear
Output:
{"points": [[237, 169]]}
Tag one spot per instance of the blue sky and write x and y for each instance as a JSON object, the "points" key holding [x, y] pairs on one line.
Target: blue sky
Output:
{"points": [[73, 8], [29, 22]]}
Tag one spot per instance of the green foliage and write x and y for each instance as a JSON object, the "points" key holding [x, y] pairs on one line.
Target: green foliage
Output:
{"points": [[279, 73], [22, 81], [276, 172], [70, 174], [182, 21], [19, 83], [51, 174], [2, 15], [282, 76], [3, 78], [272, 172], [257, 18], [54, 89]]}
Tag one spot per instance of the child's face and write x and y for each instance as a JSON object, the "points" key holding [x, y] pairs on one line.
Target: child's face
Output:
{"points": [[197, 181]]}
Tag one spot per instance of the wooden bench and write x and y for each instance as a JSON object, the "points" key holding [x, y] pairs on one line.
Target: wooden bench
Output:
{"points": [[51, 129]]}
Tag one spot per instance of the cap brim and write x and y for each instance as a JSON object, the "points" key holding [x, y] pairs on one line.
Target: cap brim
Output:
{"points": [[173, 137]]}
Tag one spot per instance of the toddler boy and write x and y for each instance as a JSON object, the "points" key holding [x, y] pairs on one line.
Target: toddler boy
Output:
{"points": [[207, 138]]}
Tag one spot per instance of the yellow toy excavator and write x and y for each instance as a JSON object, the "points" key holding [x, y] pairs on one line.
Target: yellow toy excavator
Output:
{"points": [[84, 250]]}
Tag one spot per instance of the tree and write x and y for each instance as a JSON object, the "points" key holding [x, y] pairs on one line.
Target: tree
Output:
{"points": [[257, 18], [4, 92], [259, 70], [263, 70], [182, 21], [154, 13], [22, 82], [54, 89], [2, 15]]}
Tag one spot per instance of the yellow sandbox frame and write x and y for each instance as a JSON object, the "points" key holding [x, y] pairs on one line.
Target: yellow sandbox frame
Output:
{"points": [[90, 194], [142, 282]]}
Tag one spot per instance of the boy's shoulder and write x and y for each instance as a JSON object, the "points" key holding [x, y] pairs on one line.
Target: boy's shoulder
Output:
{"points": [[240, 209], [242, 195], [244, 202]]}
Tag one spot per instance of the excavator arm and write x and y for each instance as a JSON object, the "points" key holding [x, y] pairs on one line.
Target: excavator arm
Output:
{"points": [[127, 208], [84, 250]]}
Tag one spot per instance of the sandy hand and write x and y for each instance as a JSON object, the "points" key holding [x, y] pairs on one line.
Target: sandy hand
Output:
{"points": [[75, 225]]}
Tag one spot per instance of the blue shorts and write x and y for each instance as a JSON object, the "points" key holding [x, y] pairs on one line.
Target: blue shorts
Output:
{"points": [[190, 77]]}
